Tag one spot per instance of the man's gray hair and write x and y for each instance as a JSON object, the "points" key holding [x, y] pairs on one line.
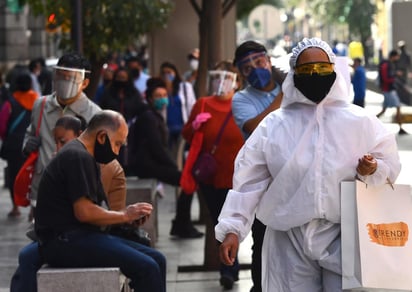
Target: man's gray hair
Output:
{"points": [[108, 119]]}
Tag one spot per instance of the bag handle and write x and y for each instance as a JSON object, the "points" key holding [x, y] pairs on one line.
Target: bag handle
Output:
{"points": [[40, 116], [219, 135], [388, 181]]}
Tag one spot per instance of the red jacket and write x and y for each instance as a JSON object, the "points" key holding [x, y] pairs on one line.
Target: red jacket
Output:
{"points": [[229, 144]]}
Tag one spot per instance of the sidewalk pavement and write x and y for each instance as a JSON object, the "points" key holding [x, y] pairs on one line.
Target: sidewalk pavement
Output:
{"points": [[180, 252], [187, 252]]}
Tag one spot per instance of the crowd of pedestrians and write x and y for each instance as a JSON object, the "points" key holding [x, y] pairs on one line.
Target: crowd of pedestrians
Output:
{"points": [[256, 122]]}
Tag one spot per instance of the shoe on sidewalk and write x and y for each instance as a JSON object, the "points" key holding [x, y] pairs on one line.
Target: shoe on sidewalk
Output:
{"points": [[226, 281], [184, 230], [14, 213], [402, 132]]}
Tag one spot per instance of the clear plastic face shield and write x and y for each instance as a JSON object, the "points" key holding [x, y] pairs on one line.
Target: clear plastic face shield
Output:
{"points": [[67, 81], [252, 61], [221, 82]]}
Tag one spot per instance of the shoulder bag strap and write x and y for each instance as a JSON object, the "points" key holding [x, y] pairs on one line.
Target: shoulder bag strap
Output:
{"points": [[219, 135], [40, 116], [203, 105]]}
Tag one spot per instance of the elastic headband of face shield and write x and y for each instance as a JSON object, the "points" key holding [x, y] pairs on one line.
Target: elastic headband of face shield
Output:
{"points": [[78, 77], [224, 86], [252, 61], [250, 56]]}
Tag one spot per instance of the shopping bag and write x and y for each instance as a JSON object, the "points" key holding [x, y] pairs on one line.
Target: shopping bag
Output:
{"points": [[22, 183], [376, 248]]}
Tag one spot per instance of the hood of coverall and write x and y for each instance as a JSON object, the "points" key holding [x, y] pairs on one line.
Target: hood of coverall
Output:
{"points": [[339, 90]]}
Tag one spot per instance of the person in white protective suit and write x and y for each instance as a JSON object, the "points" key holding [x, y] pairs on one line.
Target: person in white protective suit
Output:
{"points": [[289, 172]]}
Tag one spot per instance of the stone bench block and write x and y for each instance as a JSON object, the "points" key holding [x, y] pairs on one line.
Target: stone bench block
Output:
{"points": [[80, 280], [144, 190]]}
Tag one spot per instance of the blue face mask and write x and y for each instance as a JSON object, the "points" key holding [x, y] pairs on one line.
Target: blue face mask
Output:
{"points": [[170, 77], [159, 103], [259, 78]]}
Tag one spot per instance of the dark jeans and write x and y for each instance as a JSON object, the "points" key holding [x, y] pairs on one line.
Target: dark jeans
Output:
{"points": [[183, 209], [144, 266], [13, 165], [215, 198], [24, 279]]}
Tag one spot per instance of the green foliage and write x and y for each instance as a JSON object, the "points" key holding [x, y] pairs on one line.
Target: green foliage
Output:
{"points": [[358, 14], [244, 7], [360, 18], [107, 25]]}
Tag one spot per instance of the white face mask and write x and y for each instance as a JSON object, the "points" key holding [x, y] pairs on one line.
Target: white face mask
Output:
{"points": [[221, 82], [66, 89], [194, 64]]}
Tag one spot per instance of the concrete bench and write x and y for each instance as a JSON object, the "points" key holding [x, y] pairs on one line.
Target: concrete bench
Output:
{"points": [[81, 279], [144, 190]]}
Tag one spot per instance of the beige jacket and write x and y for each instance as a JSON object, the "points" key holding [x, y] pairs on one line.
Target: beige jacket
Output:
{"points": [[114, 184]]}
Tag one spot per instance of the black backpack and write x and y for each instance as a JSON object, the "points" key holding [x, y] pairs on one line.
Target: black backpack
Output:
{"points": [[16, 127]]}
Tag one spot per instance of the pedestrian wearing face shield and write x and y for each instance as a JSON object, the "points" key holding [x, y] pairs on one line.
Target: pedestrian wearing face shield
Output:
{"points": [[70, 78], [261, 96], [212, 115], [289, 172]]}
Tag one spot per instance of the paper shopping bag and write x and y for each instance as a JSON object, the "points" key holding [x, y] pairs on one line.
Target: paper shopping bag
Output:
{"points": [[376, 248]]}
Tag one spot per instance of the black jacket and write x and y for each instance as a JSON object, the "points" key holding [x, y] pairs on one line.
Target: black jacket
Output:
{"points": [[150, 155]]}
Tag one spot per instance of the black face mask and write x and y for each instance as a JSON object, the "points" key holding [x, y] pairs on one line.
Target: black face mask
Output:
{"points": [[119, 84], [135, 73], [106, 81], [315, 87], [103, 153]]}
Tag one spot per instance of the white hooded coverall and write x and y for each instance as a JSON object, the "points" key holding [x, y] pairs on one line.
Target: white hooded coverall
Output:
{"points": [[289, 172]]}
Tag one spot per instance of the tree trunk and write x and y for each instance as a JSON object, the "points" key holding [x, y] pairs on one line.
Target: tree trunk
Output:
{"points": [[210, 46], [214, 33], [211, 252], [94, 77], [214, 15], [200, 86], [210, 43]]}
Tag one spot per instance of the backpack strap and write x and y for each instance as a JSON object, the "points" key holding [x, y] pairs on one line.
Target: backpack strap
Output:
{"points": [[18, 119], [16, 122]]}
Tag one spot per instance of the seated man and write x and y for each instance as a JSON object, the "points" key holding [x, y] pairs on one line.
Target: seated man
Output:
{"points": [[113, 179], [69, 219]]}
